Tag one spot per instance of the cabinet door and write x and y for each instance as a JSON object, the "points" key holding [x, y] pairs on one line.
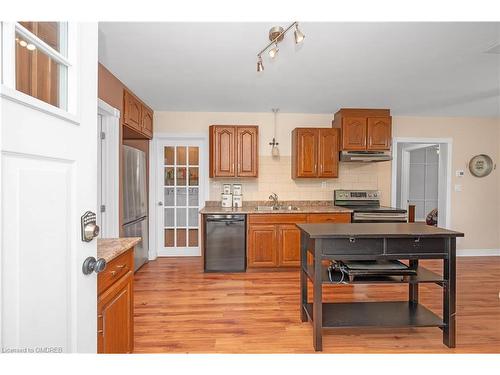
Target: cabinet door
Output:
{"points": [[131, 111], [247, 154], [147, 122], [222, 149], [289, 245], [262, 246], [115, 317], [307, 154], [354, 133], [379, 133], [328, 153]]}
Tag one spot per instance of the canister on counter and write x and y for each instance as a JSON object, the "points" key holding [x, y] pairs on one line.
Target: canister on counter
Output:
{"points": [[237, 201], [226, 189], [236, 189], [227, 200]]}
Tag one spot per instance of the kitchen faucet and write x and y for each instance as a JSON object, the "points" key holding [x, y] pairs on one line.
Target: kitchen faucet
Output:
{"points": [[274, 198]]}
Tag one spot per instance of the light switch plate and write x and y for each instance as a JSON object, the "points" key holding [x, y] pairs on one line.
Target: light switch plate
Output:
{"points": [[458, 188]]}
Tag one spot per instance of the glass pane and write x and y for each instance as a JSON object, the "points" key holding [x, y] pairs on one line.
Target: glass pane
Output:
{"points": [[181, 217], [169, 238], [193, 217], [181, 237], [169, 196], [181, 155], [40, 76], [52, 33], [193, 155], [169, 217], [193, 176], [193, 196], [181, 176], [193, 237], [169, 156], [181, 197], [169, 176]]}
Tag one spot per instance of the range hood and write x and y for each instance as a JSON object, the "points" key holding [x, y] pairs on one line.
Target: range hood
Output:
{"points": [[365, 156]]}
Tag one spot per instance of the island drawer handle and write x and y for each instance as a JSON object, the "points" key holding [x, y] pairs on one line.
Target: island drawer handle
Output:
{"points": [[417, 240], [352, 239]]}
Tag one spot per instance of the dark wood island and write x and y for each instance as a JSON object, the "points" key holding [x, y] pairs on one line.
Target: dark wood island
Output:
{"points": [[372, 241]]}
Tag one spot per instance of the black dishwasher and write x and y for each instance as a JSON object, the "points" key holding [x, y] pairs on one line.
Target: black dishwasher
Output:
{"points": [[225, 243]]}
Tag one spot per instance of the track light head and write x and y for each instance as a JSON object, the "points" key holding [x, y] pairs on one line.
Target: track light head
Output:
{"points": [[299, 35], [273, 52], [260, 66]]}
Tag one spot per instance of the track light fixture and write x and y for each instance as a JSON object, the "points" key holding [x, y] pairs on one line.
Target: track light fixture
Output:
{"points": [[276, 35], [260, 66]]}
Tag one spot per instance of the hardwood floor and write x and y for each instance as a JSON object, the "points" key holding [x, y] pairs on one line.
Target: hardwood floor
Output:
{"points": [[180, 309]]}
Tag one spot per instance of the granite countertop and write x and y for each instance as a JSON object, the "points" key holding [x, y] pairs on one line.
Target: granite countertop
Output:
{"points": [[110, 248], [303, 208]]}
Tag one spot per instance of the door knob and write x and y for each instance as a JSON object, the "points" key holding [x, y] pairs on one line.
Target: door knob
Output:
{"points": [[160, 203], [92, 265]]}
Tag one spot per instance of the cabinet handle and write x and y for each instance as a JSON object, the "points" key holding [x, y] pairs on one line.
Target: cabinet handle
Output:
{"points": [[113, 273], [121, 266]]}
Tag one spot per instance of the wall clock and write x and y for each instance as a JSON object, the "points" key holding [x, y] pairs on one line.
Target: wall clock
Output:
{"points": [[481, 165]]}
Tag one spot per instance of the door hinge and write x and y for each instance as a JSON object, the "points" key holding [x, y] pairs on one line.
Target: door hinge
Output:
{"points": [[103, 208], [103, 135]]}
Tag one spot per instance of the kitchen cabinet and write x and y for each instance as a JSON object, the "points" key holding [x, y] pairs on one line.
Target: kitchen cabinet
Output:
{"points": [[364, 129], [315, 153], [233, 151], [274, 239], [136, 117], [262, 241], [115, 305]]}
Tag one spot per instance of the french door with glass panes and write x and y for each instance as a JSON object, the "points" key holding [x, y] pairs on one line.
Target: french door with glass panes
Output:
{"points": [[181, 197]]}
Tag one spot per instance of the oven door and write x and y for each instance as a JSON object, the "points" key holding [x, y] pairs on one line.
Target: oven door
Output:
{"points": [[379, 217]]}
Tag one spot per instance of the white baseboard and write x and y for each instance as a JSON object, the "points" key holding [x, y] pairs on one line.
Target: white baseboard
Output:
{"points": [[478, 252]]}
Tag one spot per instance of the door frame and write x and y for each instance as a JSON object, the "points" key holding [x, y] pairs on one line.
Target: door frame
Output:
{"points": [[445, 170], [111, 156], [154, 162]]}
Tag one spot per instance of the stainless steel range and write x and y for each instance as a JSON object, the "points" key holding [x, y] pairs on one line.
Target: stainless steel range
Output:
{"points": [[366, 207]]}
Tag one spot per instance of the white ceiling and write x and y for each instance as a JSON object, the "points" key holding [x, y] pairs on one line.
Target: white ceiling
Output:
{"points": [[412, 68]]}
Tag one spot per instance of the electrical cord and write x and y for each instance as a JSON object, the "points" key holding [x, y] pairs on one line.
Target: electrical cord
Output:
{"points": [[334, 267]]}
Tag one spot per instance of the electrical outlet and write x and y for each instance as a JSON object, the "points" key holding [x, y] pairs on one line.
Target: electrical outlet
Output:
{"points": [[323, 185], [459, 173]]}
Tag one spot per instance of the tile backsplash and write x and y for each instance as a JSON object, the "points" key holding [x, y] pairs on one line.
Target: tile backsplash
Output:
{"points": [[275, 177]]}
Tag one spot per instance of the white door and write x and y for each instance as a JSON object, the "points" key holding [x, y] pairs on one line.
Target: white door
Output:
{"points": [[181, 196], [48, 180]]}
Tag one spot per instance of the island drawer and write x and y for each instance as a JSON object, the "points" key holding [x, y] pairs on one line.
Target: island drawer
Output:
{"points": [[114, 270], [354, 246], [416, 245]]}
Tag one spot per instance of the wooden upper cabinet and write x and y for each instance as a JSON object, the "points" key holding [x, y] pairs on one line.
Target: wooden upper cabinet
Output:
{"points": [[132, 115], [234, 151], [147, 122], [328, 153], [354, 133], [247, 147], [136, 116], [364, 129], [315, 153], [379, 133], [304, 152]]}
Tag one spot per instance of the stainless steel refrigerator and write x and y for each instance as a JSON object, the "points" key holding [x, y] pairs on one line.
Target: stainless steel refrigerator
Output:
{"points": [[135, 202]]}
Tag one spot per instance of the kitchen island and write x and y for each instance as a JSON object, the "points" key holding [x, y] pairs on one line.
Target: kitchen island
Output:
{"points": [[374, 241]]}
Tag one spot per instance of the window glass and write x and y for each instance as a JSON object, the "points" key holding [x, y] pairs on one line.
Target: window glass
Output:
{"points": [[40, 73]]}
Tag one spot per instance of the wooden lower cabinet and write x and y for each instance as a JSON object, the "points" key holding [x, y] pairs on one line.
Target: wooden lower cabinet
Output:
{"points": [[262, 243], [289, 245], [115, 308], [274, 239]]}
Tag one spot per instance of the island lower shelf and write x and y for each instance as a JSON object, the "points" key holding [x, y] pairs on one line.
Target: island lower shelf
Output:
{"points": [[423, 275], [375, 314]]}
